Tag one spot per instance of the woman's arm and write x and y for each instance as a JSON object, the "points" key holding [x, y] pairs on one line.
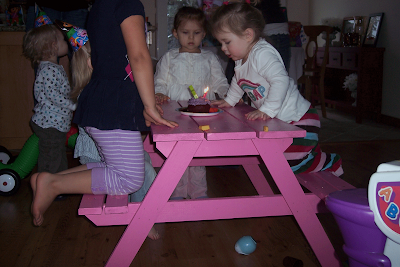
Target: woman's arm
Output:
{"points": [[141, 65]]}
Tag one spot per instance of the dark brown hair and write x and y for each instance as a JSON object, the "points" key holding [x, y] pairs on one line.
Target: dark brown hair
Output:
{"points": [[237, 17], [190, 13]]}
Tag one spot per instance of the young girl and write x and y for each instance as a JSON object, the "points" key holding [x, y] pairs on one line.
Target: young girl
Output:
{"points": [[53, 111], [110, 108], [189, 65], [85, 147], [260, 72]]}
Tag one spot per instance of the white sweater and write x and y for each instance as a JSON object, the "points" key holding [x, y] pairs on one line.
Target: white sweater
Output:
{"points": [[177, 71], [264, 78]]}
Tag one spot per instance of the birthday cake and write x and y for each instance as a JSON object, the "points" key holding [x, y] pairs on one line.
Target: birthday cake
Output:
{"points": [[198, 105]]}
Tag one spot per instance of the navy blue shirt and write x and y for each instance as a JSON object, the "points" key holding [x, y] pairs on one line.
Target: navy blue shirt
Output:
{"points": [[110, 100]]}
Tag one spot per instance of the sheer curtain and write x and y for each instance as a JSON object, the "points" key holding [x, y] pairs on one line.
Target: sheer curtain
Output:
{"points": [[165, 13]]}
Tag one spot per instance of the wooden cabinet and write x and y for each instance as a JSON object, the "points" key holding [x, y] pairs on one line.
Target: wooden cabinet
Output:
{"points": [[367, 62], [16, 91]]}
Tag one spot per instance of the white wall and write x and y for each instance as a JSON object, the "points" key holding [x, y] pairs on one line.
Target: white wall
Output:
{"points": [[389, 38], [298, 10]]}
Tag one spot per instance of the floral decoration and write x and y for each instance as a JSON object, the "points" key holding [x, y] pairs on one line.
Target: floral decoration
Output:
{"points": [[350, 82], [335, 23]]}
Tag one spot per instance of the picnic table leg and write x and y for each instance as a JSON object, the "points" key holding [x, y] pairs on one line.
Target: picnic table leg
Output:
{"points": [[153, 203], [271, 152]]}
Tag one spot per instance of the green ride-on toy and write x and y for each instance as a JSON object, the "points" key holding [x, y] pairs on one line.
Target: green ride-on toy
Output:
{"points": [[13, 170]]}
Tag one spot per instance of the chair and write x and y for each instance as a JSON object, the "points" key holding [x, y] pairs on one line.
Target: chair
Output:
{"points": [[313, 73]]}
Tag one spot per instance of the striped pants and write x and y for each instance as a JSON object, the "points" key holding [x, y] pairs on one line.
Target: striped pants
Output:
{"points": [[304, 154], [121, 170]]}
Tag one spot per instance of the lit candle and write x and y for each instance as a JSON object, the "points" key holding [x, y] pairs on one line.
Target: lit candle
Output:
{"points": [[193, 91], [205, 92]]}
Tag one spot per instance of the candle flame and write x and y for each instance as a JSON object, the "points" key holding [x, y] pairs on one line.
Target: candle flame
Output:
{"points": [[205, 92]]}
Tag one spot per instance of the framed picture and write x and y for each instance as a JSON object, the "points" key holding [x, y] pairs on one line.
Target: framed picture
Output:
{"points": [[349, 25], [372, 33]]}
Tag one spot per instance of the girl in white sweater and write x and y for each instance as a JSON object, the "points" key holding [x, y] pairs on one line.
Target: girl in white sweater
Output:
{"points": [[189, 65]]}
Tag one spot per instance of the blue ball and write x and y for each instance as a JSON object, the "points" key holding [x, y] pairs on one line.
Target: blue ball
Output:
{"points": [[245, 245]]}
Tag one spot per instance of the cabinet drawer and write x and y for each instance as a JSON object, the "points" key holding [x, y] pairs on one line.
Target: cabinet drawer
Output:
{"points": [[334, 59], [349, 60], [319, 57]]}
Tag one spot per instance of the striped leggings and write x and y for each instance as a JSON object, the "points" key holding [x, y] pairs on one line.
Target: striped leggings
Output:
{"points": [[121, 170], [304, 154]]}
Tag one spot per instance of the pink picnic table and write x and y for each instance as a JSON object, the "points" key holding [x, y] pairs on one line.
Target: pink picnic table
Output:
{"points": [[231, 140]]}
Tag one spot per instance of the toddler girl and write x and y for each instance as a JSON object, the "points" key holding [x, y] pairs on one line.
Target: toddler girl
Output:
{"points": [[260, 72], [189, 65], [112, 109], [53, 110], [81, 66]]}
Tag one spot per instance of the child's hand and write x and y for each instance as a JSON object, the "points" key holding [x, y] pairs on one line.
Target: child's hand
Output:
{"points": [[220, 103], [257, 114], [161, 98]]}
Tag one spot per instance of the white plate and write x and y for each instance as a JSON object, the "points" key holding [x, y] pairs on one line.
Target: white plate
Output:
{"points": [[197, 114]]}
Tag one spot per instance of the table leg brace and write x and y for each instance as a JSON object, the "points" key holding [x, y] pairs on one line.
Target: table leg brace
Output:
{"points": [[157, 196]]}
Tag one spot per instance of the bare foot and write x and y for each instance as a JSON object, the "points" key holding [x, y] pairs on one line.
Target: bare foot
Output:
{"points": [[153, 234], [44, 194], [33, 185]]}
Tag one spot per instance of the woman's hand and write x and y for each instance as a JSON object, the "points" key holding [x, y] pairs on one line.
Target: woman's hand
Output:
{"points": [[257, 114], [160, 110], [153, 116], [161, 98], [220, 103]]}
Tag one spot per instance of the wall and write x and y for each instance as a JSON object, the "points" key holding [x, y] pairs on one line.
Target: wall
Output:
{"points": [[298, 10], [150, 10], [389, 38]]}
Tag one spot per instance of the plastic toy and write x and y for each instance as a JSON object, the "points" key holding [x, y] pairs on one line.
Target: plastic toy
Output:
{"points": [[245, 245], [5, 155], [369, 220], [12, 173], [384, 201]]}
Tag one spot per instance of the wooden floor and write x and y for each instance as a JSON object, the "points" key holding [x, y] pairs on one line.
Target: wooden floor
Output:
{"points": [[66, 239]]}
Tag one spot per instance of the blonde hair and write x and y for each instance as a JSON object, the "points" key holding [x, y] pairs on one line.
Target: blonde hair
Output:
{"points": [[81, 72], [237, 17], [40, 43]]}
